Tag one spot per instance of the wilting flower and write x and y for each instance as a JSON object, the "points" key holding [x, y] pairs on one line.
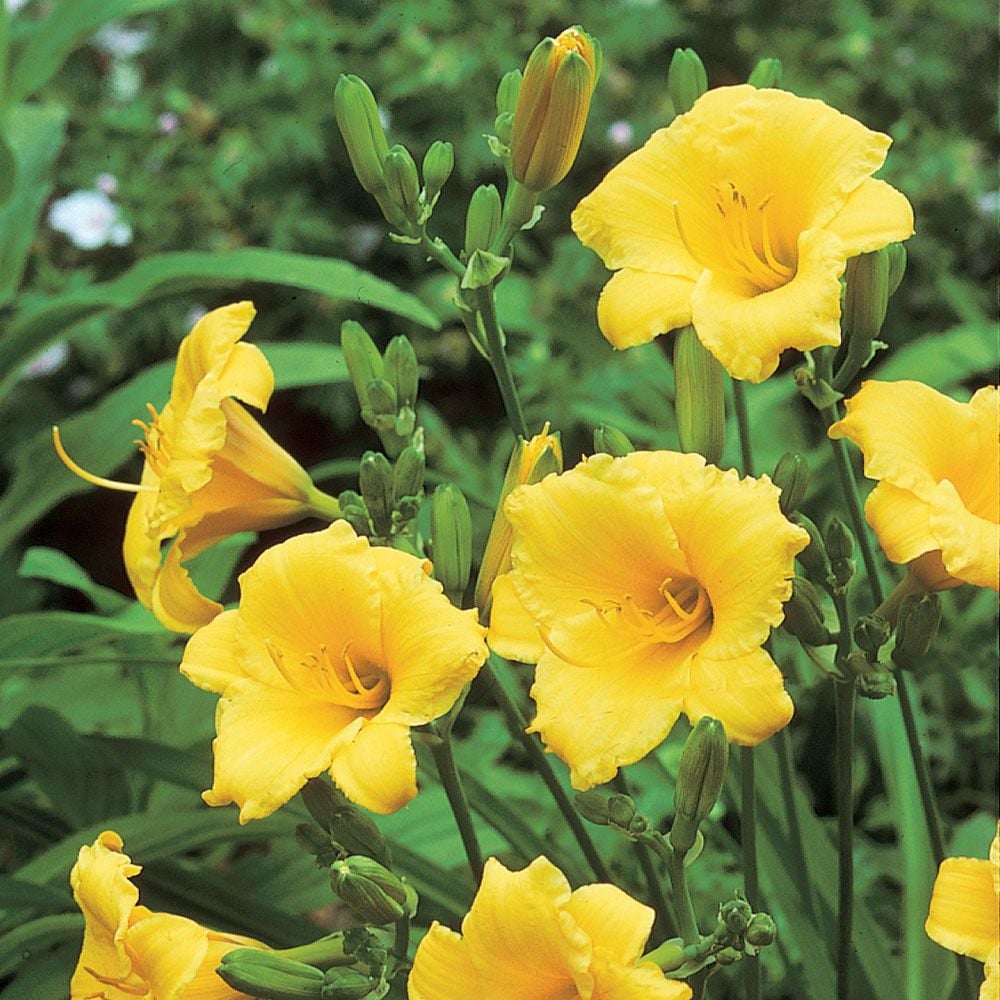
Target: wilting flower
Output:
{"points": [[211, 470], [528, 936], [739, 219], [130, 952], [937, 462], [335, 651], [644, 587], [965, 912]]}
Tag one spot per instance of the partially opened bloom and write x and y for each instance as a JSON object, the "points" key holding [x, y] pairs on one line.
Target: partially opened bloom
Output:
{"points": [[739, 219], [937, 462], [130, 952], [210, 469], [335, 651], [644, 587], [965, 912], [528, 936]]}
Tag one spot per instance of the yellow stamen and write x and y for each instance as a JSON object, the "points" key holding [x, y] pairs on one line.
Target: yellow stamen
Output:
{"points": [[318, 674], [137, 990], [108, 484]]}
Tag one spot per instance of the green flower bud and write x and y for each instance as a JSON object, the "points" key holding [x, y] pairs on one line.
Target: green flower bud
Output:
{"points": [[375, 478], [621, 811], [355, 511], [840, 548], [408, 475], [382, 407], [813, 557], [866, 295], [402, 370], [699, 780], [482, 221], [352, 830], [268, 976], [374, 894], [871, 633], [791, 476], [593, 807], [359, 124], [451, 535], [700, 400], [686, 80], [402, 182], [916, 627], [317, 843], [804, 614], [507, 91], [439, 162], [736, 914], [364, 362], [346, 984], [767, 73], [503, 126], [728, 956], [611, 441], [876, 685], [761, 931], [897, 265]]}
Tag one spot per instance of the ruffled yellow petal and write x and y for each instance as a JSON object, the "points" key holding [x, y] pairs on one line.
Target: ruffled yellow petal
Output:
{"points": [[746, 329], [636, 306], [746, 694], [168, 951], [513, 632], [611, 917], [963, 911], [995, 860], [176, 602], [211, 658], [270, 742], [990, 990], [970, 545], [442, 969], [140, 547], [378, 768], [873, 216], [246, 375], [901, 520], [634, 982]]}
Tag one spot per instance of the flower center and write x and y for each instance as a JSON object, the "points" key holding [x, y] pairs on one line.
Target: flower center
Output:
{"points": [[334, 679], [132, 986], [155, 447], [685, 609], [745, 249]]}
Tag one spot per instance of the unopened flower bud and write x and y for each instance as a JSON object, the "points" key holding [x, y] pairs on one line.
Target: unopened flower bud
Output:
{"points": [[791, 476], [593, 807], [804, 614], [871, 633], [355, 511], [359, 123], [813, 557], [408, 474], [611, 441], [897, 265], [451, 537], [482, 220], [699, 780], [503, 126], [699, 401], [736, 914], [767, 73], [402, 181], [686, 79], [839, 549], [866, 295], [621, 811], [382, 405], [728, 956], [364, 362], [552, 107], [507, 91], [374, 894], [916, 627], [375, 478], [439, 161], [402, 370], [346, 984], [761, 931], [268, 976], [876, 685]]}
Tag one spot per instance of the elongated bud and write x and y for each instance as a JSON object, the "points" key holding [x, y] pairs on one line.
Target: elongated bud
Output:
{"points": [[699, 780], [375, 478], [897, 265], [686, 79], [916, 627], [381, 405], [761, 931], [530, 462], [482, 220], [791, 476], [621, 811], [767, 73], [840, 548], [364, 362], [804, 614], [700, 400], [358, 120], [871, 633], [736, 914], [451, 535], [374, 894], [813, 557], [402, 370], [349, 827], [503, 126], [347, 984], [268, 976], [402, 182], [439, 162], [507, 91], [593, 807], [611, 441], [408, 475], [355, 511], [552, 108], [866, 296]]}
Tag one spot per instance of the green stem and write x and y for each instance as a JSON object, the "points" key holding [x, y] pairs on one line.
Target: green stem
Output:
{"points": [[518, 723], [401, 943], [323, 505], [743, 423], [681, 894], [786, 768], [844, 694], [438, 251], [445, 761], [487, 308]]}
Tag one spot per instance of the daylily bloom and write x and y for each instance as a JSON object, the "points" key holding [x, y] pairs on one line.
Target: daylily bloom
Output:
{"points": [[965, 913], [739, 219], [129, 951], [937, 462], [644, 587], [335, 651], [210, 469], [528, 936]]}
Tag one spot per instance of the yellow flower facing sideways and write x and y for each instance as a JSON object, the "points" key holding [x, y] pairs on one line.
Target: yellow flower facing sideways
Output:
{"points": [[130, 952], [965, 912], [739, 219], [335, 651], [528, 936], [937, 462], [643, 587], [210, 469]]}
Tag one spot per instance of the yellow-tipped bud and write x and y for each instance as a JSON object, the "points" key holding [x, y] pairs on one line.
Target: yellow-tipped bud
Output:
{"points": [[359, 123], [700, 397], [552, 108]]}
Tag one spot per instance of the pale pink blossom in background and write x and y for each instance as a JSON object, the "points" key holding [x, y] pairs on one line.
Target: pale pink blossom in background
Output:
{"points": [[168, 123], [90, 219]]}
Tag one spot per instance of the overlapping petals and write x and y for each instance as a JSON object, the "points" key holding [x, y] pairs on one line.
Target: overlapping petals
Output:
{"points": [[739, 218], [644, 587], [528, 936], [335, 651], [965, 912], [937, 462], [130, 952]]}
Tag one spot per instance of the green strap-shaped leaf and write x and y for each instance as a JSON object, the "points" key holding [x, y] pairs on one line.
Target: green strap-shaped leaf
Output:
{"points": [[35, 937], [42, 563]]}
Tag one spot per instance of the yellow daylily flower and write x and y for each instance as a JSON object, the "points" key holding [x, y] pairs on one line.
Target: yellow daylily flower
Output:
{"points": [[130, 952], [739, 219], [965, 913], [335, 651], [937, 462], [644, 587], [210, 469], [528, 936]]}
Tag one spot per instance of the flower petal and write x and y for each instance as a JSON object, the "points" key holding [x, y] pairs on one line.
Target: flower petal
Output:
{"points": [[513, 631], [206, 984], [246, 375], [963, 911], [616, 922], [168, 951], [614, 981], [874, 215], [176, 602], [970, 545], [211, 657], [901, 520], [636, 306], [990, 990], [442, 969], [140, 547], [378, 768]]}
